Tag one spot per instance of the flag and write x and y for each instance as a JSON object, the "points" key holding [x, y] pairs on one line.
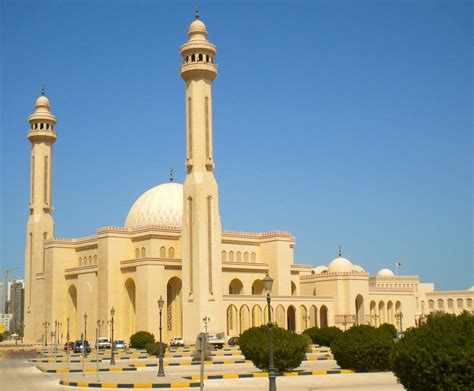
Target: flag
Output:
{"points": [[398, 264]]}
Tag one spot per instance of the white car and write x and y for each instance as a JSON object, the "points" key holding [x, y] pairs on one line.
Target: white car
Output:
{"points": [[177, 341], [102, 343]]}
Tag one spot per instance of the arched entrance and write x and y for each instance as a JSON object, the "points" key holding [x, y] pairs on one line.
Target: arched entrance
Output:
{"points": [[323, 316], [72, 312], [291, 318], [129, 303], [235, 287], [174, 326], [280, 316], [244, 318], [382, 317], [256, 316], [232, 321], [373, 314], [359, 306], [390, 315], [303, 318], [257, 287], [313, 316]]}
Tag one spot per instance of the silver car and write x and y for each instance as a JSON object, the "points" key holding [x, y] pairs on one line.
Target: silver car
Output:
{"points": [[120, 344]]}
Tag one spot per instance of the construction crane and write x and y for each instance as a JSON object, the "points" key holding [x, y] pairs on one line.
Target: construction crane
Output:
{"points": [[3, 305]]}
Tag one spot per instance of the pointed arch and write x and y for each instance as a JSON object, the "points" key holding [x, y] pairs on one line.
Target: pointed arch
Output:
{"points": [[313, 316], [246, 256], [280, 318], [373, 313], [232, 321], [171, 254], [224, 255], [390, 314], [162, 252], [304, 320], [129, 307], [174, 325], [382, 317], [137, 253], [253, 257], [231, 256], [239, 256], [72, 311], [291, 318], [143, 252], [323, 316], [244, 315], [293, 289], [359, 310], [256, 316]]}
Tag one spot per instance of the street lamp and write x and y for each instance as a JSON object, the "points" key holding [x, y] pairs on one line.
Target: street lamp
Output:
{"points": [[46, 325], [85, 326], [399, 317], [112, 355], [161, 371], [100, 323], [374, 317], [58, 335], [267, 285]]}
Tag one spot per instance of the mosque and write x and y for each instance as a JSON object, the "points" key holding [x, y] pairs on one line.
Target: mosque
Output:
{"points": [[172, 246]]}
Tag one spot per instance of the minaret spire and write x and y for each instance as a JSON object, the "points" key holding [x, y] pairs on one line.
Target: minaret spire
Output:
{"points": [[171, 175], [196, 13], [340, 251]]}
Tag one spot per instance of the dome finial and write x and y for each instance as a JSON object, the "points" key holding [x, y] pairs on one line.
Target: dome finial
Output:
{"points": [[196, 13], [340, 251], [171, 175]]}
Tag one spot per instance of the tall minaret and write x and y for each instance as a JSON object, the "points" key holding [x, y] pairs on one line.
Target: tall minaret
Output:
{"points": [[40, 225], [201, 233]]}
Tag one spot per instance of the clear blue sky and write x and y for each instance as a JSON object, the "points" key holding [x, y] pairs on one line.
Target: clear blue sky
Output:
{"points": [[344, 122]]}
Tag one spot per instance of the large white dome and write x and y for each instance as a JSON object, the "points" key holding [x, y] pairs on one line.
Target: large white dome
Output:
{"points": [[161, 205], [340, 265], [385, 273]]}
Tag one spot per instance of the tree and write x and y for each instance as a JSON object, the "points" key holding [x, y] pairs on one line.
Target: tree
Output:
{"points": [[140, 339], [323, 336]]}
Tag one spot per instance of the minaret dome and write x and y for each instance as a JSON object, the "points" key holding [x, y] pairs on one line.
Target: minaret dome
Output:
{"points": [[42, 121]]}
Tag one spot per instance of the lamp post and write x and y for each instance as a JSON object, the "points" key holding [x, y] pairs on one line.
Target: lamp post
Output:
{"points": [[46, 325], [58, 345], [67, 342], [100, 323], [112, 355], [374, 317], [399, 317], [206, 321], [85, 326], [267, 285], [306, 318], [161, 371]]}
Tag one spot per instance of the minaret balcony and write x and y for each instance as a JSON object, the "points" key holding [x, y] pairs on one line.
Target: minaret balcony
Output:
{"points": [[42, 135], [198, 70]]}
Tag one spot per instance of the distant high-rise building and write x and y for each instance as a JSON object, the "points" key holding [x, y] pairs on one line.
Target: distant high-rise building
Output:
{"points": [[17, 303], [3, 298]]}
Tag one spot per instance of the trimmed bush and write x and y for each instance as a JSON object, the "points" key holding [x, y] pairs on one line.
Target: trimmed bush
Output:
{"points": [[153, 348], [323, 336], [437, 356], [388, 328], [289, 348], [363, 348], [140, 339]]}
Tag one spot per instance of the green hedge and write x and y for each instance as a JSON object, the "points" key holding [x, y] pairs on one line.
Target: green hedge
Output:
{"points": [[363, 348], [140, 339], [153, 348], [388, 328], [323, 336], [437, 356], [289, 348]]}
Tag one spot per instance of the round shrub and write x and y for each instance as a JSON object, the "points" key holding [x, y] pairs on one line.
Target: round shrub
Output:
{"points": [[437, 356], [140, 339], [323, 336], [388, 328], [363, 348], [289, 348], [153, 348]]}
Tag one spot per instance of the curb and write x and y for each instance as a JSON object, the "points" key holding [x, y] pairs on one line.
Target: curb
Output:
{"points": [[265, 374], [62, 361], [86, 370], [128, 385], [177, 364]]}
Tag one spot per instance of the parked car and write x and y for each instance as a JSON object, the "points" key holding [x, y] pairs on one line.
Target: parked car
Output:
{"points": [[217, 340], [177, 341], [233, 341], [68, 346], [78, 348], [120, 344], [102, 343]]}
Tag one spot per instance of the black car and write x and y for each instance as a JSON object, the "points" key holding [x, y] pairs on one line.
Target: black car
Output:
{"points": [[78, 347]]}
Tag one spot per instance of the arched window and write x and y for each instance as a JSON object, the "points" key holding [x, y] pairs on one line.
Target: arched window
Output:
{"points": [[200, 57], [163, 252], [193, 58], [137, 253], [257, 287], [431, 304], [90, 260], [171, 252], [235, 287], [450, 303], [253, 257], [231, 256], [469, 303], [440, 304], [460, 303], [80, 261], [246, 256], [224, 255], [239, 256], [143, 252], [95, 259]]}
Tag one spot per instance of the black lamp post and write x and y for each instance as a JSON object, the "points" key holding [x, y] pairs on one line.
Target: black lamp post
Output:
{"points": [[67, 333], [58, 346], [46, 325], [267, 285], [85, 326], [112, 355], [161, 371]]}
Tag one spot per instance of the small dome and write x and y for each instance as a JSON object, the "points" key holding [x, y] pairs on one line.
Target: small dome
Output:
{"points": [[42, 101], [320, 269], [385, 273], [340, 265], [161, 205], [197, 27], [358, 268]]}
